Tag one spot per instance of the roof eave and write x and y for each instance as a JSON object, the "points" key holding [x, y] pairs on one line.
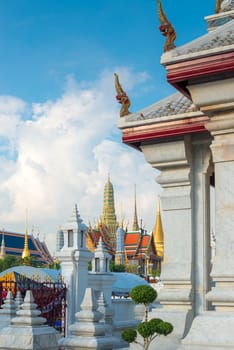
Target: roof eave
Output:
{"points": [[181, 72]]}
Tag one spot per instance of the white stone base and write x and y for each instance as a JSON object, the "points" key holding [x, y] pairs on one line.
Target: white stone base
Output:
{"points": [[30, 338], [181, 320], [169, 342], [212, 330], [85, 343]]}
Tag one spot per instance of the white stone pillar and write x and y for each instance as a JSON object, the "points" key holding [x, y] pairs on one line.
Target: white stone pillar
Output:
{"points": [[222, 129], [82, 258], [68, 272], [174, 161], [74, 258], [202, 170], [214, 329]]}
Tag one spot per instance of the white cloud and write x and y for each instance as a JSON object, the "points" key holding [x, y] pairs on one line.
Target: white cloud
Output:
{"points": [[65, 151]]}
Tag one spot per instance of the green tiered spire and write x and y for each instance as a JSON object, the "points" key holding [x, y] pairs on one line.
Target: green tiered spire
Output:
{"points": [[108, 217]]}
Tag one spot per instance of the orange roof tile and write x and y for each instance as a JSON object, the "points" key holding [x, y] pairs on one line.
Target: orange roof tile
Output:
{"points": [[131, 238]]}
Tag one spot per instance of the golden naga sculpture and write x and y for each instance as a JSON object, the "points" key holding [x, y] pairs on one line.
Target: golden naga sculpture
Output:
{"points": [[122, 97], [218, 6], [166, 29]]}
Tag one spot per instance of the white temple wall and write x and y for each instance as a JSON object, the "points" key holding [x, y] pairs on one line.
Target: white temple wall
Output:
{"points": [[174, 161], [185, 167]]}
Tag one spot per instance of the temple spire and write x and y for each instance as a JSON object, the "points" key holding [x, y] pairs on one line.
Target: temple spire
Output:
{"points": [[158, 236], [108, 217], [135, 226], [2, 250], [26, 252]]}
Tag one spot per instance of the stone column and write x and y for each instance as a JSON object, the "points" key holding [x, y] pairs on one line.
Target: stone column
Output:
{"points": [[74, 258], [222, 129], [214, 329], [174, 161], [202, 170], [68, 272], [82, 258]]}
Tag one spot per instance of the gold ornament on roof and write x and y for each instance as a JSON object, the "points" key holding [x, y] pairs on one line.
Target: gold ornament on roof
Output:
{"points": [[166, 29], [122, 97], [158, 235], [218, 6], [26, 251]]}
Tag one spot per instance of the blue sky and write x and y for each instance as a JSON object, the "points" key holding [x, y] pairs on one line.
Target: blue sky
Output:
{"points": [[58, 113], [43, 41]]}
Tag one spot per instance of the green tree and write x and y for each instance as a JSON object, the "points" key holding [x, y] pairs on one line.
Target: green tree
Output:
{"points": [[9, 261], [117, 267], [148, 329]]}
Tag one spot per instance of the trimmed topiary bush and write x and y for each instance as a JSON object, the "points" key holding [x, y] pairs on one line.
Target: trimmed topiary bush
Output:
{"points": [[143, 294], [129, 335], [149, 330]]}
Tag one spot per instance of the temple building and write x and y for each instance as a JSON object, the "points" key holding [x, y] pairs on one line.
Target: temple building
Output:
{"points": [[24, 245], [139, 251], [134, 248], [189, 138], [108, 217]]}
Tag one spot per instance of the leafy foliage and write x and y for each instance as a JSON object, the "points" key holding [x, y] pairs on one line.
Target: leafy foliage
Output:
{"points": [[129, 335], [143, 294], [116, 267], [149, 330], [165, 328], [144, 330], [9, 261]]}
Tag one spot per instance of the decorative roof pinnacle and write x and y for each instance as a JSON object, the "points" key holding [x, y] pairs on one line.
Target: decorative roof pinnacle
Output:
{"points": [[224, 6], [218, 6], [158, 233], [135, 226], [166, 29], [122, 97], [2, 249], [26, 251]]}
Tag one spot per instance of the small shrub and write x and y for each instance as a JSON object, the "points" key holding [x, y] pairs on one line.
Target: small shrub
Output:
{"points": [[129, 335], [149, 330], [143, 294]]}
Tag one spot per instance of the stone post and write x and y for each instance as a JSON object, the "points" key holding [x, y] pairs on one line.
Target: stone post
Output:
{"points": [[101, 279], [27, 330], [214, 329], [8, 311], [202, 171], [222, 129], [18, 300], [87, 332], [74, 258], [174, 160]]}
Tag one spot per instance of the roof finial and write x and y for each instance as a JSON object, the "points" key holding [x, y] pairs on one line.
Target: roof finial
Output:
{"points": [[135, 226], [2, 249], [122, 97], [166, 29], [158, 233], [26, 252], [218, 6]]}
